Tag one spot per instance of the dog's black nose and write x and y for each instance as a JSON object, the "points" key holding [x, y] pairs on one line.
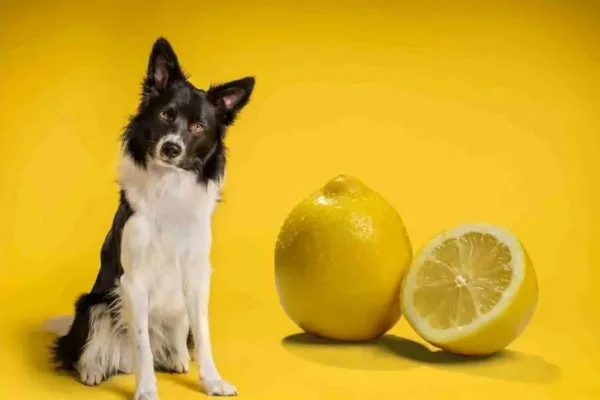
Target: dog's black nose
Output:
{"points": [[170, 150]]}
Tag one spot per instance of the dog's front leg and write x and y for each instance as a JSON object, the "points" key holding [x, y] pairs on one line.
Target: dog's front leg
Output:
{"points": [[197, 294], [135, 302], [134, 288]]}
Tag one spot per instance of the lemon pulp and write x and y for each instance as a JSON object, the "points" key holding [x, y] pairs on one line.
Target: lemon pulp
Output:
{"points": [[471, 290]]}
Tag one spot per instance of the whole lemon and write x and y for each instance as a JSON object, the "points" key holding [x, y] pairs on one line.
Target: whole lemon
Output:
{"points": [[339, 261]]}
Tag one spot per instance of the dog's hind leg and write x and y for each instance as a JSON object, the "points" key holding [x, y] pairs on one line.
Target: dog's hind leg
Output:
{"points": [[180, 360], [94, 344], [105, 352], [169, 344]]}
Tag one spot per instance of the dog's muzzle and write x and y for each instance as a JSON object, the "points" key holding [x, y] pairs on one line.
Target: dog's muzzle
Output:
{"points": [[170, 150]]}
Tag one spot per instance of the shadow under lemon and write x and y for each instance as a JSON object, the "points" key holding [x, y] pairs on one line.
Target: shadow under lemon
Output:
{"points": [[391, 352]]}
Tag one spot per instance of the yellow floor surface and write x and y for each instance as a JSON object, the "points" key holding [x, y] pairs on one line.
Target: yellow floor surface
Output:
{"points": [[454, 111]]}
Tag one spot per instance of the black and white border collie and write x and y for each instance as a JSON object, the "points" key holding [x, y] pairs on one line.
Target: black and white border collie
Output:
{"points": [[151, 293]]}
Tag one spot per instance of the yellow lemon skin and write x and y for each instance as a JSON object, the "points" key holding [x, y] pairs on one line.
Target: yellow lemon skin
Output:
{"points": [[496, 334], [339, 260]]}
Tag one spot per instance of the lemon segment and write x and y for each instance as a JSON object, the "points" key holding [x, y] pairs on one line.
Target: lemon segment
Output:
{"points": [[471, 290]]}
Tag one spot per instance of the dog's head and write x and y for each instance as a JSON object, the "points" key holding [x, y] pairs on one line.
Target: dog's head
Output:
{"points": [[178, 125]]}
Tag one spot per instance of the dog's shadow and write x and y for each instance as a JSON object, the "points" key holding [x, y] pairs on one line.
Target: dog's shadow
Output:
{"points": [[37, 346], [392, 352]]}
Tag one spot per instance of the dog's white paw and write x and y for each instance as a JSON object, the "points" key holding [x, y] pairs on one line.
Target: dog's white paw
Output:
{"points": [[219, 387], [181, 366], [177, 363], [126, 369], [90, 377], [180, 363], [146, 396]]}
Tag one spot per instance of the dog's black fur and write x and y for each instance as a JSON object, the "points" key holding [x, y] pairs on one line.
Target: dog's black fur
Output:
{"points": [[169, 104]]}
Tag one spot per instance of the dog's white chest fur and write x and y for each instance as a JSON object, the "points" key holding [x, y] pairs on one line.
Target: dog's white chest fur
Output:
{"points": [[167, 240]]}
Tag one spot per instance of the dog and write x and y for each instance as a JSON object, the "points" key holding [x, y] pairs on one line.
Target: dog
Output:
{"points": [[149, 304]]}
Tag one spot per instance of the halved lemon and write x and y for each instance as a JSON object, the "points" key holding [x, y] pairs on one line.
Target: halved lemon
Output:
{"points": [[471, 290]]}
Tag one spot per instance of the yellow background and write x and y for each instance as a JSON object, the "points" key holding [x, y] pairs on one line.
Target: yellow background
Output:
{"points": [[469, 112]]}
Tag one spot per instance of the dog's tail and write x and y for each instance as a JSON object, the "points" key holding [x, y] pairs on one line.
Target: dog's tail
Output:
{"points": [[58, 325], [61, 351]]}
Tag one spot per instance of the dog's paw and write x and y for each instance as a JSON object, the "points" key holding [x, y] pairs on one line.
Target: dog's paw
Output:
{"points": [[91, 377], [219, 387], [146, 396], [177, 364], [126, 369], [180, 366]]}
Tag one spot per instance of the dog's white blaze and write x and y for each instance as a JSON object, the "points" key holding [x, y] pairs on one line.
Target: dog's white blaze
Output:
{"points": [[175, 138], [165, 255]]}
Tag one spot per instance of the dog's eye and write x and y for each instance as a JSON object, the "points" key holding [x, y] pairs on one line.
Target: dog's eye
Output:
{"points": [[197, 127], [163, 115]]}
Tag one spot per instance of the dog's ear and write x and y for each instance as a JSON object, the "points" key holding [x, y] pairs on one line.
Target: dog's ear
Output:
{"points": [[163, 68], [230, 98]]}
